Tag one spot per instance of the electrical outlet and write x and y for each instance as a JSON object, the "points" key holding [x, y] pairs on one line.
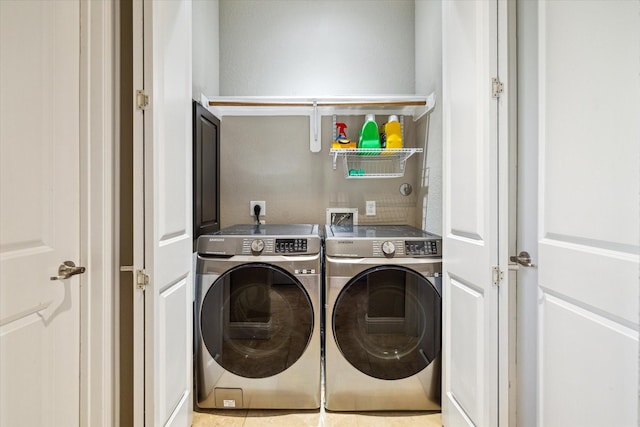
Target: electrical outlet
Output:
{"points": [[371, 207], [263, 207]]}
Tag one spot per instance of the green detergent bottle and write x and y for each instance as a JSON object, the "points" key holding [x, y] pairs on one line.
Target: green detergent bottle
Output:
{"points": [[369, 136]]}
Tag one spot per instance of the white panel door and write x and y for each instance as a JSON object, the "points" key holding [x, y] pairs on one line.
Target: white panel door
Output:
{"points": [[168, 213], [589, 128], [40, 211], [475, 213]]}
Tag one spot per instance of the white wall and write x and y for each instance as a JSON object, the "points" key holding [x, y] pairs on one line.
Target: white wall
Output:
{"points": [[428, 74], [316, 48], [205, 58]]}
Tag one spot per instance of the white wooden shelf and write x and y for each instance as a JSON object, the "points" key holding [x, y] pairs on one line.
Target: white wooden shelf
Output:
{"points": [[406, 105]]}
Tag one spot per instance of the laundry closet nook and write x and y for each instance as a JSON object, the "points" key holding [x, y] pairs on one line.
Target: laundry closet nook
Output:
{"points": [[294, 78], [304, 51]]}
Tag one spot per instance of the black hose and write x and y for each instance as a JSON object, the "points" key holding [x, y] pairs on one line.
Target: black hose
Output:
{"points": [[256, 212]]}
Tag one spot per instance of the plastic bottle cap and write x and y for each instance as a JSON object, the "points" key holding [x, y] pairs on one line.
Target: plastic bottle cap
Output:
{"points": [[370, 117], [393, 118]]}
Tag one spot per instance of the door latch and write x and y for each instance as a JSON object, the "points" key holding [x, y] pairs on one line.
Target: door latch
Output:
{"points": [[142, 280], [142, 100]]}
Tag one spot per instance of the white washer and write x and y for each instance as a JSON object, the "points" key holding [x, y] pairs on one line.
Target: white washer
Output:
{"points": [[383, 318], [257, 318]]}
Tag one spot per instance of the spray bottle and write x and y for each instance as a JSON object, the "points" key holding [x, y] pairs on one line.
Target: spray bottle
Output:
{"points": [[341, 140]]}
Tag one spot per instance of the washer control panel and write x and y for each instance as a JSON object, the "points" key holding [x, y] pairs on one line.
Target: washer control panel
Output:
{"points": [[387, 248], [284, 246], [257, 246], [423, 247]]}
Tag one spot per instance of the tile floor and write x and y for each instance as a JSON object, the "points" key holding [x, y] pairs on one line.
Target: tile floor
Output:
{"points": [[317, 418]]}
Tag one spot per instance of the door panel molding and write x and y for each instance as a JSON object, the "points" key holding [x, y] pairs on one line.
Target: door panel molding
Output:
{"points": [[467, 339], [616, 298], [586, 338]]}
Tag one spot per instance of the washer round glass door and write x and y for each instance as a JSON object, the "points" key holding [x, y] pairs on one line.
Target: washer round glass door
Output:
{"points": [[387, 322], [256, 320]]}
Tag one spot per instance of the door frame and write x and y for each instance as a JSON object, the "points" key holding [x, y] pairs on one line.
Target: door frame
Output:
{"points": [[98, 346], [508, 134]]}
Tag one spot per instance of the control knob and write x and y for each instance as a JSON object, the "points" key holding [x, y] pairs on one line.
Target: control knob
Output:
{"points": [[257, 245], [388, 248]]}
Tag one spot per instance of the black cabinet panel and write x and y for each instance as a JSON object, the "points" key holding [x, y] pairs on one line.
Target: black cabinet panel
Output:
{"points": [[206, 172]]}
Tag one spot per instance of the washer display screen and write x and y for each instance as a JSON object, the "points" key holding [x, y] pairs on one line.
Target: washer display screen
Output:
{"points": [[256, 320], [387, 322]]}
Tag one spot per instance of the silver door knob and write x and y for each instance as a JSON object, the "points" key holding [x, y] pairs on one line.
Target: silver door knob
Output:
{"points": [[67, 269], [523, 258]]}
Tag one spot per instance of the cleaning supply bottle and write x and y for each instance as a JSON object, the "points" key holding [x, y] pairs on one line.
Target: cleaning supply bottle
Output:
{"points": [[341, 140], [391, 135], [369, 137]]}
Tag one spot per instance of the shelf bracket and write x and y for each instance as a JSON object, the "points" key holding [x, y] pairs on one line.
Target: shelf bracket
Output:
{"points": [[431, 104], [315, 144]]}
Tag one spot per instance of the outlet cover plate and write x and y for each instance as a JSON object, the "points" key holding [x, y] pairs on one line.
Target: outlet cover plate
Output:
{"points": [[263, 207], [371, 207]]}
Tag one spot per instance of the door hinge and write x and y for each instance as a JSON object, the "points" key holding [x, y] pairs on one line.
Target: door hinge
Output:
{"points": [[142, 100], [497, 87], [497, 275], [142, 280]]}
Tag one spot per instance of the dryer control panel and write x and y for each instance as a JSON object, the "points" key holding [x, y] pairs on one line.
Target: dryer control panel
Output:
{"points": [[381, 241]]}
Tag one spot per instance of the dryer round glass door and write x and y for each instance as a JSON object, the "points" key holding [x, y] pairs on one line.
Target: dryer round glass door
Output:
{"points": [[256, 320], [387, 322]]}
